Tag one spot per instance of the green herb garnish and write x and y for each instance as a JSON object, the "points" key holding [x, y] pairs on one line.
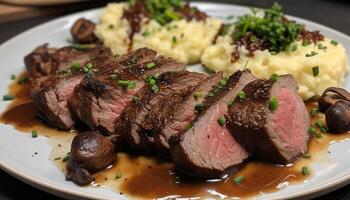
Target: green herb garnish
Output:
{"points": [[230, 102], [305, 170], [307, 156], [314, 112], [335, 43], [274, 77], [273, 103], [34, 134], [127, 83], [117, 176], [321, 126], [150, 65], [66, 157], [238, 180], [23, 80], [315, 71], [8, 97], [198, 108], [273, 28], [113, 77], [197, 95], [241, 95], [222, 121], [163, 11], [13, 77], [312, 53]]}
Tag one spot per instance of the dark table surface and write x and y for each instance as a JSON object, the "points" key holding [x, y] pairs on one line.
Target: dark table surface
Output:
{"points": [[332, 13]]}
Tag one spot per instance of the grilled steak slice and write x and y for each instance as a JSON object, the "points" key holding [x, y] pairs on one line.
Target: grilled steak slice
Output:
{"points": [[45, 61], [51, 93], [208, 149], [272, 122], [152, 109], [39, 61], [184, 113], [99, 100], [90, 152]]}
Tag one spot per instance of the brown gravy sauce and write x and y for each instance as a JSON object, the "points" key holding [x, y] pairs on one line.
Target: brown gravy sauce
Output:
{"points": [[146, 177]]}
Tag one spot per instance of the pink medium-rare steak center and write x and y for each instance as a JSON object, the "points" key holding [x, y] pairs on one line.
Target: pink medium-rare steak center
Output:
{"points": [[288, 121]]}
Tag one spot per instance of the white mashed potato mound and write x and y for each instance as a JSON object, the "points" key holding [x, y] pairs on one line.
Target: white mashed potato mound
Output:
{"points": [[332, 64], [183, 40]]}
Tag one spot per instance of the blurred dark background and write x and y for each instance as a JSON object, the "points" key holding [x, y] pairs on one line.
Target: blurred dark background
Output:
{"points": [[15, 19]]}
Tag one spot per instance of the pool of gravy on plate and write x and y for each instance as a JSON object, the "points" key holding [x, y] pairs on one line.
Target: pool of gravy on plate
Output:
{"points": [[147, 177]]}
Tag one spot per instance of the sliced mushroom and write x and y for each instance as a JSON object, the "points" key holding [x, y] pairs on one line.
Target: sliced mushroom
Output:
{"points": [[338, 117], [331, 96], [90, 152], [83, 31]]}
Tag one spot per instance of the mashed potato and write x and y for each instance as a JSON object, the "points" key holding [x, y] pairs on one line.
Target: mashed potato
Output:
{"points": [[331, 62], [185, 41]]}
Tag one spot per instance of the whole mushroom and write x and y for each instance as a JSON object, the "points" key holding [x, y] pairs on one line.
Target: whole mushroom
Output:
{"points": [[83, 31], [335, 102]]}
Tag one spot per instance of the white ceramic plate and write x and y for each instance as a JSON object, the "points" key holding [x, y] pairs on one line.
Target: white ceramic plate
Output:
{"points": [[16, 148]]}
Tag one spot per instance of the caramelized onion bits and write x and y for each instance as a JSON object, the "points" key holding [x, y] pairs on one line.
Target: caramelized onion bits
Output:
{"points": [[335, 102], [83, 31]]}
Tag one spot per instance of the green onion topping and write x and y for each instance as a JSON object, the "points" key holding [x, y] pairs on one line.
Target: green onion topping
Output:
{"points": [[34, 134], [8, 97], [241, 95], [198, 108], [238, 180], [222, 121], [150, 65], [273, 103], [117, 176], [197, 95], [315, 71], [335, 43], [305, 170], [274, 77], [13, 77], [314, 112]]}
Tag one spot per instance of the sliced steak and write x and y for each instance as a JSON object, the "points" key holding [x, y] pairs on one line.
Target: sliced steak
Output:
{"points": [[99, 100], [39, 61], [51, 93], [272, 122], [90, 152], [153, 108], [208, 149], [184, 113], [45, 61]]}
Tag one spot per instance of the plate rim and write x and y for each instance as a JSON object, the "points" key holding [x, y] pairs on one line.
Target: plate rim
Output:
{"points": [[56, 189]]}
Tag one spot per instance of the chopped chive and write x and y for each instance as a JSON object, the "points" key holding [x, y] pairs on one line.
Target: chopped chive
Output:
{"points": [[307, 156], [146, 33], [90, 73], [197, 95], [66, 157], [150, 65], [274, 77], [13, 77], [305, 43], [292, 47], [58, 158], [117, 176], [253, 38], [222, 121], [155, 89], [316, 71], [314, 112], [273, 103], [152, 82], [311, 130], [305, 170], [230, 103], [34, 134], [83, 46], [321, 46], [238, 180], [76, 66], [8, 97], [188, 126], [114, 77], [312, 53], [126, 83], [135, 98], [210, 94], [111, 26], [241, 95], [321, 126], [174, 39], [223, 82], [335, 43], [177, 179], [198, 108], [23, 80], [89, 66]]}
